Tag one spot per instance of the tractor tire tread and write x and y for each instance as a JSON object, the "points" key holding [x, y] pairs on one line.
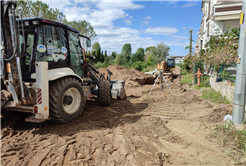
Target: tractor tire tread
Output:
{"points": [[57, 90], [104, 93]]}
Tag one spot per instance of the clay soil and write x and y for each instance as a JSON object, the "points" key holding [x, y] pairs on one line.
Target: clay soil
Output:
{"points": [[159, 129]]}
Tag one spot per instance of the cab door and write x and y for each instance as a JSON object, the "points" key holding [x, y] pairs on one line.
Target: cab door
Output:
{"points": [[75, 52]]}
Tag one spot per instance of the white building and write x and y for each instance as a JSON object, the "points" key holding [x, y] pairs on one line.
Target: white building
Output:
{"points": [[178, 59], [217, 16]]}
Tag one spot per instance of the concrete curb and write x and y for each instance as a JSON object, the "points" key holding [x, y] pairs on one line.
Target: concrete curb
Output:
{"points": [[225, 91]]}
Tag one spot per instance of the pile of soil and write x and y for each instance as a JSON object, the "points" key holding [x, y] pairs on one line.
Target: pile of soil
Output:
{"points": [[122, 73], [130, 75], [217, 115]]}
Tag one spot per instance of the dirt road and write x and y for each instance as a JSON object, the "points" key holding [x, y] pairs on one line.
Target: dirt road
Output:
{"points": [[160, 129]]}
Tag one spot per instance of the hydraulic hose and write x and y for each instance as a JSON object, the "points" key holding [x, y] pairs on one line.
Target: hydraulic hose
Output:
{"points": [[11, 17]]}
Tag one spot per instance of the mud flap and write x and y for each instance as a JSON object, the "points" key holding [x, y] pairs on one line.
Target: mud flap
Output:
{"points": [[87, 90], [117, 89]]}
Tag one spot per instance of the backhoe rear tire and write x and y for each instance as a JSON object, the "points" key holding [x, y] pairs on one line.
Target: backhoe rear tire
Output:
{"points": [[104, 93], [67, 100]]}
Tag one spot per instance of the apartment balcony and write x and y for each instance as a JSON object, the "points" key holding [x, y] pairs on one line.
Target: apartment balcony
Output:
{"points": [[228, 1], [227, 11]]}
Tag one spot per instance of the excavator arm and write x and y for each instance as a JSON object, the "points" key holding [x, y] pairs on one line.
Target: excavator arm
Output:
{"points": [[12, 86]]}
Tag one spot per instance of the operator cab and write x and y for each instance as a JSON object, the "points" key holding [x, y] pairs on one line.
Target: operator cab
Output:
{"points": [[170, 63], [53, 42]]}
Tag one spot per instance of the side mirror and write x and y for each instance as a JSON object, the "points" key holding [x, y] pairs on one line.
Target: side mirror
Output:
{"points": [[88, 43], [91, 57]]}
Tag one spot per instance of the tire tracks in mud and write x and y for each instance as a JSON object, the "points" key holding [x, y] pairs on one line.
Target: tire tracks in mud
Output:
{"points": [[48, 144], [128, 132]]}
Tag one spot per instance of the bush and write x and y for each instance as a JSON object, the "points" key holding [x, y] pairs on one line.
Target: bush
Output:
{"points": [[139, 65], [98, 65], [187, 63], [121, 59]]}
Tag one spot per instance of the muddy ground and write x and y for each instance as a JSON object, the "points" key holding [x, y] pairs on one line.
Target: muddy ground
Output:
{"points": [[160, 129]]}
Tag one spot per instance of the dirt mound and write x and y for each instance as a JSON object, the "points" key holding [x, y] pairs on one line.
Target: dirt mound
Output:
{"points": [[123, 73], [218, 114]]}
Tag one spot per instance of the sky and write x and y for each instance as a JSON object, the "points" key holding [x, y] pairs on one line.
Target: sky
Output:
{"points": [[140, 23]]}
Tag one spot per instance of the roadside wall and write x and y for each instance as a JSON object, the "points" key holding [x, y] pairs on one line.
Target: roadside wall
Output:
{"points": [[226, 91]]}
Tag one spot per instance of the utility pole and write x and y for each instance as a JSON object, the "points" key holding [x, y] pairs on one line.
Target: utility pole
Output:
{"points": [[240, 84]]}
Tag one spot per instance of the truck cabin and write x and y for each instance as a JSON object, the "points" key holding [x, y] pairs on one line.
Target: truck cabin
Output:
{"points": [[53, 42], [170, 63]]}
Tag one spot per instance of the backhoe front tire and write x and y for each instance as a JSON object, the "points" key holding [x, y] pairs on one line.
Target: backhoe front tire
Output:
{"points": [[104, 93], [67, 100]]}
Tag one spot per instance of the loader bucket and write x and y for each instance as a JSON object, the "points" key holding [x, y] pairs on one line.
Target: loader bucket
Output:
{"points": [[117, 89]]}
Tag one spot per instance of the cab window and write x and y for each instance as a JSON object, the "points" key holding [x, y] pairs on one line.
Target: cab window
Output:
{"points": [[29, 41], [52, 44]]}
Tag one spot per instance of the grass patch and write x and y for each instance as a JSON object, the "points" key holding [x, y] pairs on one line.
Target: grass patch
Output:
{"points": [[187, 78], [227, 135], [202, 86], [213, 96]]}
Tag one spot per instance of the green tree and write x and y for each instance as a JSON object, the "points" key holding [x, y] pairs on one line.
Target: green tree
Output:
{"points": [[114, 54], [84, 28], [139, 65], [96, 51], [139, 55], [150, 60], [25, 6], [127, 50], [162, 51], [42, 10], [88, 53], [121, 59], [96, 46], [190, 46], [102, 57], [149, 51], [108, 61]]}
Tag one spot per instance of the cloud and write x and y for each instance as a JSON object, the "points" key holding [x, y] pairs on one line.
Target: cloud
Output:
{"points": [[189, 4], [121, 5], [102, 15], [128, 20], [117, 32], [160, 30], [98, 13], [113, 39], [145, 21], [175, 43], [148, 18], [172, 2]]}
